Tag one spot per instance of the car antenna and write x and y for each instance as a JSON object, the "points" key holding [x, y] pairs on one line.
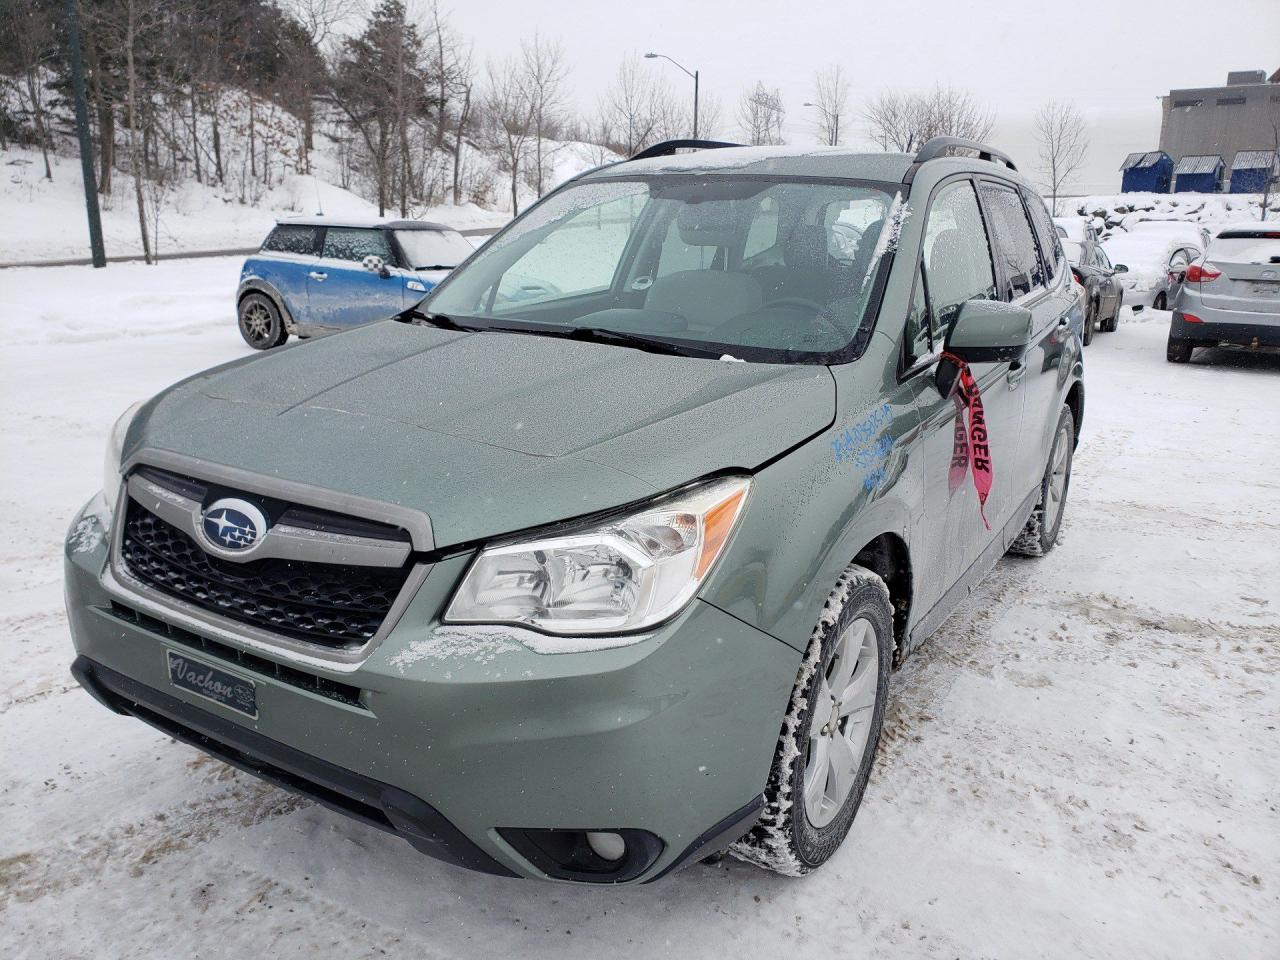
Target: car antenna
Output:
{"points": [[319, 203]]}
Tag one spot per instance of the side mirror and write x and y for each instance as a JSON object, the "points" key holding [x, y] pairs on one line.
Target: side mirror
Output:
{"points": [[374, 264], [1119, 268], [985, 331]]}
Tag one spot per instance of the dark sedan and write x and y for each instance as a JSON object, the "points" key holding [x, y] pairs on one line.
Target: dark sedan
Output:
{"points": [[1104, 294]]}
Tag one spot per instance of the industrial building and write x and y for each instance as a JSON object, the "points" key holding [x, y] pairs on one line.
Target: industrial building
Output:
{"points": [[1215, 138]]}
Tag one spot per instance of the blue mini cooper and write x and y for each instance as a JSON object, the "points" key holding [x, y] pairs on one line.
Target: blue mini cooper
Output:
{"points": [[316, 275]]}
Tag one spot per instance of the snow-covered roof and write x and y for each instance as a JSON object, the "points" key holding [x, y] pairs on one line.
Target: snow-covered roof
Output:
{"points": [[1253, 159], [1141, 160], [1198, 164], [364, 222]]}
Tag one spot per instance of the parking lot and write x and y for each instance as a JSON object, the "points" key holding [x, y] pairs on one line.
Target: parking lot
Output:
{"points": [[1083, 761]]}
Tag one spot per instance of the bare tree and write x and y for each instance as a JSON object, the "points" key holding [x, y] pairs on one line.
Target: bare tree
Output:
{"points": [[905, 121], [760, 115], [545, 71], [508, 121], [1064, 143], [831, 99], [636, 109]]}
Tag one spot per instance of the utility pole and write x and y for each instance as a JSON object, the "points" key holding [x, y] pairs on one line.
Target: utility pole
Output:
{"points": [[82, 132]]}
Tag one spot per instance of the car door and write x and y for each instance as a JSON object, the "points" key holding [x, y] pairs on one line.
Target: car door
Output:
{"points": [[955, 266], [1110, 285], [1031, 267], [341, 291], [288, 255]]}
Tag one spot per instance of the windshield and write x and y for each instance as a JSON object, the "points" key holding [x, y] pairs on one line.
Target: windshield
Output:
{"points": [[433, 249], [751, 267]]}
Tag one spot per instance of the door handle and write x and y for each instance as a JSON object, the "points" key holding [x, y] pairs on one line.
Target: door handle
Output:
{"points": [[317, 275], [1017, 371]]}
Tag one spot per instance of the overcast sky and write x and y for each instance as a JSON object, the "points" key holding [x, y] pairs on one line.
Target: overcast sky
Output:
{"points": [[1112, 57]]}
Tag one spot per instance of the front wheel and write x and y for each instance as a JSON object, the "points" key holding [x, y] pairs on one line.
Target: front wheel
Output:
{"points": [[1041, 532], [260, 322], [830, 732]]}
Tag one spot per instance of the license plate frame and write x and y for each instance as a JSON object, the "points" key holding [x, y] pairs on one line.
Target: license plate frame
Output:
{"points": [[1264, 289], [213, 683]]}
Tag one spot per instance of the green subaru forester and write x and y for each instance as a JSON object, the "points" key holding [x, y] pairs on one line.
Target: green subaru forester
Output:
{"points": [[597, 561]]}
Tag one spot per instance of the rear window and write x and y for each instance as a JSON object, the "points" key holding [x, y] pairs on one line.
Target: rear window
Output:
{"points": [[1246, 246], [1022, 270], [291, 238]]}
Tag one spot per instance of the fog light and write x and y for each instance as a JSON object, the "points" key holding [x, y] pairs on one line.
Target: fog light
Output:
{"points": [[607, 846]]}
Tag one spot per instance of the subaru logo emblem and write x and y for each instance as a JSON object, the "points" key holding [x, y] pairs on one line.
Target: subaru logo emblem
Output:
{"points": [[233, 524]]}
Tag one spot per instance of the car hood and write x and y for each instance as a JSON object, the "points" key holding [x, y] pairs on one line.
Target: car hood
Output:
{"points": [[485, 433]]}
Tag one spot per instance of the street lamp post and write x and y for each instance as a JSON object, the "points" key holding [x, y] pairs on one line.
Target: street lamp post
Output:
{"points": [[835, 129], [691, 73]]}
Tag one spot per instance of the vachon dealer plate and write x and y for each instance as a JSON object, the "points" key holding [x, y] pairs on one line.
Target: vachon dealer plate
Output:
{"points": [[213, 684]]}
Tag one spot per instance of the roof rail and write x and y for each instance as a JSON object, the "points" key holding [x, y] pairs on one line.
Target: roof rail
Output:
{"points": [[942, 146], [668, 148]]}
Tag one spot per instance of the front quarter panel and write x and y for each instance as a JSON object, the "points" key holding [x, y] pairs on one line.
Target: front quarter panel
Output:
{"points": [[812, 510]]}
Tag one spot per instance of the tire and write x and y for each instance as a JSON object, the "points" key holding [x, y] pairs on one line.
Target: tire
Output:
{"points": [[1161, 301], [800, 830], [1041, 532], [1090, 319], [1178, 351], [260, 322], [1109, 326]]}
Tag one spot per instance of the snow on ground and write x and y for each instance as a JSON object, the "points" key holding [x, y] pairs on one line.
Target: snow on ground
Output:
{"points": [[1123, 210], [1081, 763], [47, 219]]}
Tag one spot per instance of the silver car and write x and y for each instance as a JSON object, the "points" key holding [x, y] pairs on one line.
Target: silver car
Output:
{"points": [[1232, 294]]}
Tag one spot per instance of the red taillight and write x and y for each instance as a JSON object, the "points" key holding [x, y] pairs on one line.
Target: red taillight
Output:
{"points": [[1076, 273], [1197, 273], [1191, 318]]}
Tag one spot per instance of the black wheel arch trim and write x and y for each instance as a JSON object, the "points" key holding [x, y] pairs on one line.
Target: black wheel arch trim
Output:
{"points": [[256, 285]]}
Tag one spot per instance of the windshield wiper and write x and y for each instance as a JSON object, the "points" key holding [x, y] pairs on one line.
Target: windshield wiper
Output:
{"points": [[436, 320], [437, 266], [621, 339]]}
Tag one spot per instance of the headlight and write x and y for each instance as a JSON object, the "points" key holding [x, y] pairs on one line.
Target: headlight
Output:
{"points": [[111, 467], [625, 574]]}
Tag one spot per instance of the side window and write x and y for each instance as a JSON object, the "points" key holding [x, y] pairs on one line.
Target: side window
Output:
{"points": [[957, 256], [918, 340], [1179, 260], [1022, 270], [1100, 257], [291, 238], [355, 243], [1050, 247], [578, 258]]}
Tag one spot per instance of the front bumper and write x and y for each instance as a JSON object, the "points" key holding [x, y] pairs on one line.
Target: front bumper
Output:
{"points": [[448, 736]]}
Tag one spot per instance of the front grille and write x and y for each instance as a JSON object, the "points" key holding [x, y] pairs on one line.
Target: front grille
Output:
{"points": [[335, 606], [333, 689]]}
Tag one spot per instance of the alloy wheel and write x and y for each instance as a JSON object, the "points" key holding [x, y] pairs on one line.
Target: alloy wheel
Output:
{"points": [[840, 721], [1057, 476], [256, 322]]}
